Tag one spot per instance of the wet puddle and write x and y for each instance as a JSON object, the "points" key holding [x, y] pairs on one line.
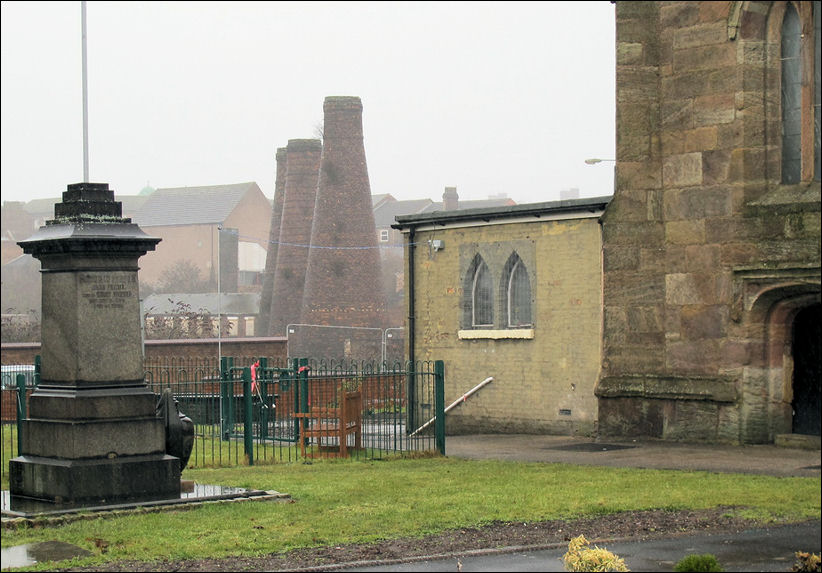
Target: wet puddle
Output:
{"points": [[32, 553], [21, 507]]}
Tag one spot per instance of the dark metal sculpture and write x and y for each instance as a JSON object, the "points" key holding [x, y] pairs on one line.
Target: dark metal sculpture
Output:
{"points": [[179, 428]]}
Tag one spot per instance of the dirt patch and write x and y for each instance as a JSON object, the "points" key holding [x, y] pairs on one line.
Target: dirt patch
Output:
{"points": [[631, 525]]}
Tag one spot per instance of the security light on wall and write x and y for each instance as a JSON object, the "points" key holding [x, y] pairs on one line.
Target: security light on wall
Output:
{"points": [[437, 244]]}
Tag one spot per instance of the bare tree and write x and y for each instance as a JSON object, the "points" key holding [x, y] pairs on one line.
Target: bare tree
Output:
{"points": [[183, 276]]}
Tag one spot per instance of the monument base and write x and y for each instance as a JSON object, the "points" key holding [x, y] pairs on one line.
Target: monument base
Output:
{"points": [[98, 481]]}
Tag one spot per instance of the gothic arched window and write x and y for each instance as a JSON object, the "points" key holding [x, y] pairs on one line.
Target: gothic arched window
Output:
{"points": [[517, 288], [482, 295], [791, 96]]}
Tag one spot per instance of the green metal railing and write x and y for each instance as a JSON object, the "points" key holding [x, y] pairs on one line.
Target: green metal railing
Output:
{"points": [[240, 421]]}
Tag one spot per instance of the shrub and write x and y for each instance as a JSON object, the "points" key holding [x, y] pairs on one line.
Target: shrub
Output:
{"points": [[581, 557], [706, 562], [807, 562]]}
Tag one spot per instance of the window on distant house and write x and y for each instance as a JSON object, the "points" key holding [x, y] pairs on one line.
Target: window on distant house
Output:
{"points": [[517, 289], [383, 235]]}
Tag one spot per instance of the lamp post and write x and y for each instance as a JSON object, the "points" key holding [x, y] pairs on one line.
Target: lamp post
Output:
{"points": [[595, 160]]}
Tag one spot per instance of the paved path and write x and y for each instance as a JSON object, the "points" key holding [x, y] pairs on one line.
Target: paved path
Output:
{"points": [[757, 459]]}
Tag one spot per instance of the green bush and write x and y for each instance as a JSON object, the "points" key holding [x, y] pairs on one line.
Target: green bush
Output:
{"points": [[706, 562], [580, 557]]}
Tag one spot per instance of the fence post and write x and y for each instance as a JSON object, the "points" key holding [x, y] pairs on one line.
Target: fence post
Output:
{"points": [[248, 426], [411, 399], [21, 409], [262, 384], [439, 405], [302, 372], [226, 389], [293, 379]]}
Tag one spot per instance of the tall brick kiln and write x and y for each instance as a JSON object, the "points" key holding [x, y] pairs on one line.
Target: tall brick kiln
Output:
{"points": [[301, 175], [343, 282], [273, 244]]}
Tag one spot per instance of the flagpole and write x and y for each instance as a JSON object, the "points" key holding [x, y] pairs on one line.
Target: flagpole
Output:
{"points": [[219, 300], [85, 94]]}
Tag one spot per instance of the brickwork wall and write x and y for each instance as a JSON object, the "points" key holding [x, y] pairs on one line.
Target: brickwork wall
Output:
{"points": [[252, 218], [698, 208], [272, 347], [195, 243], [533, 378], [343, 286], [302, 173]]}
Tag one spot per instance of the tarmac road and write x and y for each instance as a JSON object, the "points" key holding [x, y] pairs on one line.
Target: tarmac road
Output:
{"points": [[770, 549], [754, 550]]}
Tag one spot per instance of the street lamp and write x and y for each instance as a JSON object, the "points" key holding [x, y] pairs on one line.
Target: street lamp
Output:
{"points": [[595, 160]]}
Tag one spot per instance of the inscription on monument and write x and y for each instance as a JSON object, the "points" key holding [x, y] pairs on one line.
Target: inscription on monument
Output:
{"points": [[107, 291]]}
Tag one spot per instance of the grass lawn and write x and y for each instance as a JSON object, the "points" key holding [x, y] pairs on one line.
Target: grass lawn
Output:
{"points": [[343, 501]]}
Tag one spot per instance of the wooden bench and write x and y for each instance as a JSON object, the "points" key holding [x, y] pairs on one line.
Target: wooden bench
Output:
{"points": [[327, 424]]}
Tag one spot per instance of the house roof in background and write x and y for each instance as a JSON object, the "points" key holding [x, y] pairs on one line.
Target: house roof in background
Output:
{"points": [[384, 213], [379, 198], [192, 205], [473, 204], [42, 206]]}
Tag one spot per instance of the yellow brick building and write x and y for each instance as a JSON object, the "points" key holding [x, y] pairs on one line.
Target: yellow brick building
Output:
{"points": [[512, 293]]}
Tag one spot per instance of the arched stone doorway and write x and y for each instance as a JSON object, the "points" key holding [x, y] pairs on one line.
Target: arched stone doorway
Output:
{"points": [[781, 334], [807, 373]]}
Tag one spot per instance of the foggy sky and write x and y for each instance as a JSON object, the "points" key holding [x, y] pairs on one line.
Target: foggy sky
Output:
{"points": [[489, 97]]}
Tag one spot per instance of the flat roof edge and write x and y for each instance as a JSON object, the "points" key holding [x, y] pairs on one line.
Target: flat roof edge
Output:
{"points": [[488, 213]]}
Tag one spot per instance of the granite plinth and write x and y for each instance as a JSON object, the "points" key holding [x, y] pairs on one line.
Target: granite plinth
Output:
{"points": [[91, 402], [120, 479], [84, 439]]}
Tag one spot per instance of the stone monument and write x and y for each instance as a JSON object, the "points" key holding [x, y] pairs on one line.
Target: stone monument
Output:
{"points": [[92, 436]]}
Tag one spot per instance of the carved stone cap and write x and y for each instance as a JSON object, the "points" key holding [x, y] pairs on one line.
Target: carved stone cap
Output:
{"points": [[88, 202], [89, 222]]}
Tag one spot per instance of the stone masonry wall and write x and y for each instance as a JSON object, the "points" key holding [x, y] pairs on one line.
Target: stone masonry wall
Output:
{"points": [[698, 204]]}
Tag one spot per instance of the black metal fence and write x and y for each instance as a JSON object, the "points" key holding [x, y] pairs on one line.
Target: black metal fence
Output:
{"points": [[243, 408]]}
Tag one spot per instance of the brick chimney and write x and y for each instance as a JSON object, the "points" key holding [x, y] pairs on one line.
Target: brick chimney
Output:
{"points": [[343, 285], [450, 199], [264, 316], [301, 173]]}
